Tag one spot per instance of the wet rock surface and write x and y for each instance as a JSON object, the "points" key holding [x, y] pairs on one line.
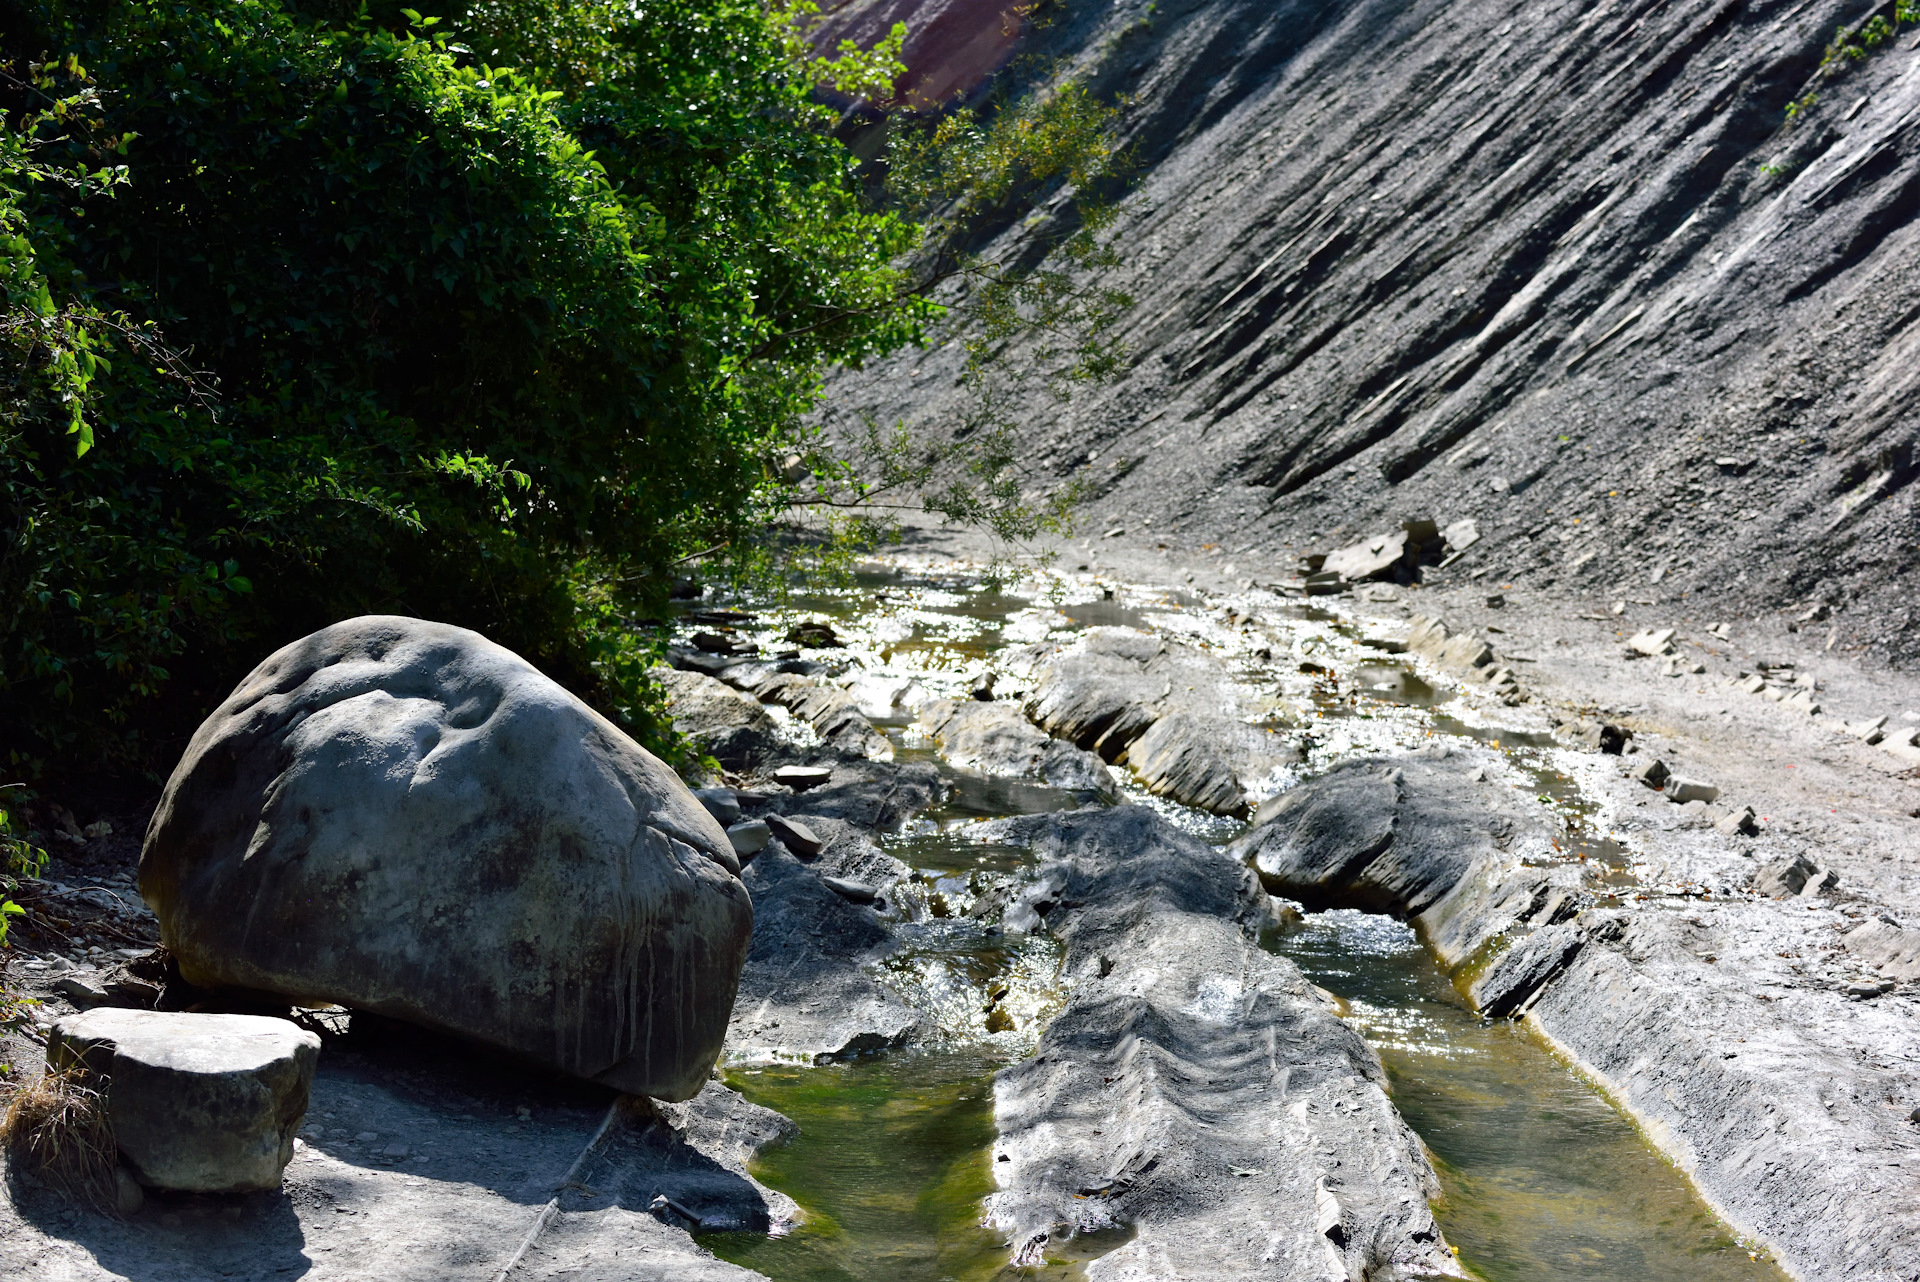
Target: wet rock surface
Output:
{"points": [[998, 739], [1195, 1088], [808, 991], [497, 860], [1781, 1095]]}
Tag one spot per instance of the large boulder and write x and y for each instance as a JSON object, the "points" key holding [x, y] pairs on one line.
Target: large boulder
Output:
{"points": [[402, 817], [206, 1103]]}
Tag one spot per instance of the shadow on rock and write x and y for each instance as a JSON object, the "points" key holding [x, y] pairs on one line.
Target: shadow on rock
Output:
{"points": [[253, 1235]]}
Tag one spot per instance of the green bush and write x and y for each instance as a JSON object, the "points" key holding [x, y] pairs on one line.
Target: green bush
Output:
{"points": [[312, 311], [443, 362]]}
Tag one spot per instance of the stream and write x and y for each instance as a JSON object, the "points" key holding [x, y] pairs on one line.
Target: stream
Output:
{"points": [[1542, 1178]]}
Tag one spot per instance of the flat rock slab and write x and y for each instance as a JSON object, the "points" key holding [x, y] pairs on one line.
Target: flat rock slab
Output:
{"points": [[1195, 1088], [204, 1103]]}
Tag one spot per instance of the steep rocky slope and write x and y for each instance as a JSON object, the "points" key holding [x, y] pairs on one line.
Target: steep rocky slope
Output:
{"points": [[1567, 268]]}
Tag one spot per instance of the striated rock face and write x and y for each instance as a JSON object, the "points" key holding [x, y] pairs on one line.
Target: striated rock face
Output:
{"points": [[1432, 257], [404, 818], [1171, 712], [1195, 1089]]}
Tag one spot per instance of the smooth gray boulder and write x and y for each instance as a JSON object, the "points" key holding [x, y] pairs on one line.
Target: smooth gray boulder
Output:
{"points": [[997, 739], [403, 817], [203, 1103]]}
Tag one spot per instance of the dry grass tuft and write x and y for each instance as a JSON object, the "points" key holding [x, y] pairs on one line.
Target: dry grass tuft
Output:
{"points": [[57, 1130]]}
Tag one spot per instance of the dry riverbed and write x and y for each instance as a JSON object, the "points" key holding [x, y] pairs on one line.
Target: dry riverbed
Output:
{"points": [[1178, 1088]]}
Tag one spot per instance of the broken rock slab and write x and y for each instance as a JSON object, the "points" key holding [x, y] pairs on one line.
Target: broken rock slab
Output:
{"points": [[1792, 875], [1463, 653], [1652, 642], [404, 818], [1654, 774], [1681, 790], [1887, 946], [199, 1102]]}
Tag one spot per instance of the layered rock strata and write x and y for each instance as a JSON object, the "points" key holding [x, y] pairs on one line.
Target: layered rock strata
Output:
{"points": [[1195, 1090]]}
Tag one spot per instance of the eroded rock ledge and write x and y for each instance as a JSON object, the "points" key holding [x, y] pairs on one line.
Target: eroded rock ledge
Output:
{"points": [[1196, 1087]]}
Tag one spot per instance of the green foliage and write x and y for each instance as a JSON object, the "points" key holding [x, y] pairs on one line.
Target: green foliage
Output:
{"points": [[18, 859], [314, 309], [1852, 46]]}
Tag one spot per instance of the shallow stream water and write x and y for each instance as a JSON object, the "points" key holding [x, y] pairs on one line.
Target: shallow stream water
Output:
{"points": [[1542, 1178]]}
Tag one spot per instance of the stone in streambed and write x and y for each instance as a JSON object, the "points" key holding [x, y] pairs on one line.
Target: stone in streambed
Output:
{"points": [[1681, 790], [858, 892], [1208, 760], [722, 803], [997, 739], [404, 818], [204, 1103], [1792, 875], [1103, 696], [800, 778], [749, 838], [796, 836], [721, 722], [1416, 836], [1653, 774]]}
